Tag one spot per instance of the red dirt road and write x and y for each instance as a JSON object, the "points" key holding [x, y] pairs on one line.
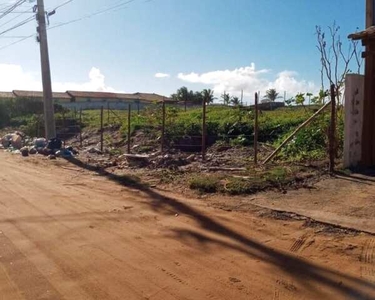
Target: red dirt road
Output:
{"points": [[66, 233]]}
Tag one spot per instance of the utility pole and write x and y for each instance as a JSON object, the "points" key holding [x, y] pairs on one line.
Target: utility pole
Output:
{"points": [[49, 114]]}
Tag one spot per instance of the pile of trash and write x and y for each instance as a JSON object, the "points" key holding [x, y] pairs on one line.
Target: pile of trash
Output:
{"points": [[19, 143]]}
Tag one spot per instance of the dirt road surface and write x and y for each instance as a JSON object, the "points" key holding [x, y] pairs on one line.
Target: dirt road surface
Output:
{"points": [[68, 233]]}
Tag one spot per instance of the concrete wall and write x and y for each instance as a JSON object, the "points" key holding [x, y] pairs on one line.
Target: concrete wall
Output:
{"points": [[97, 104], [354, 96]]}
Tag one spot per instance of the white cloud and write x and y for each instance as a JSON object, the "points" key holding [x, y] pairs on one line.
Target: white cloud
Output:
{"points": [[250, 81], [96, 83], [14, 77], [162, 75]]}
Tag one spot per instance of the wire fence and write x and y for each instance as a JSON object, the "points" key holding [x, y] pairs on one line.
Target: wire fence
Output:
{"points": [[158, 128]]}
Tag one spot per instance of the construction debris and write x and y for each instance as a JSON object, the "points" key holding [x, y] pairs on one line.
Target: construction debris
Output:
{"points": [[19, 143]]}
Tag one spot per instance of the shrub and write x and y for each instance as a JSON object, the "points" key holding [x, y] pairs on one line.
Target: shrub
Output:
{"points": [[205, 184]]}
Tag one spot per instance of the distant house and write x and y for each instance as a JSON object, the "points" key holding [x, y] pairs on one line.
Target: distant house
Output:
{"points": [[6, 95], [95, 100], [92, 100], [59, 98]]}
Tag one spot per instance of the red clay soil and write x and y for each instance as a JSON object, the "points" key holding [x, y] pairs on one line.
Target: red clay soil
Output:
{"points": [[348, 201], [69, 233]]}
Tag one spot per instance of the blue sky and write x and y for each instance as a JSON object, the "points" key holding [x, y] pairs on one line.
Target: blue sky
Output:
{"points": [[219, 44]]}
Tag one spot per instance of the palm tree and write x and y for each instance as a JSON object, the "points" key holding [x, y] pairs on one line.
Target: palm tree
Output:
{"points": [[226, 98], [208, 96], [271, 96], [198, 98], [235, 101]]}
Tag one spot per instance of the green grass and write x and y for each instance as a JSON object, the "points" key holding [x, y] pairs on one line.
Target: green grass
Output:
{"points": [[232, 125], [242, 185], [228, 124], [205, 183]]}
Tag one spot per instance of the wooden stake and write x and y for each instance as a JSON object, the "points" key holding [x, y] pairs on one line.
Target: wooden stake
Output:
{"points": [[107, 113], [64, 123], [256, 128], [332, 131], [129, 124], [204, 129], [101, 128], [304, 124], [163, 129], [80, 127]]}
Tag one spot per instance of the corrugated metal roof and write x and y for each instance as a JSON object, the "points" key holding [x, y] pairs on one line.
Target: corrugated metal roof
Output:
{"points": [[121, 96], [83, 94], [151, 97], [37, 94], [143, 97]]}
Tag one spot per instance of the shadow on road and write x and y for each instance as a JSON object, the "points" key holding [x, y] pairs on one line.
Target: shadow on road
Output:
{"points": [[307, 273]]}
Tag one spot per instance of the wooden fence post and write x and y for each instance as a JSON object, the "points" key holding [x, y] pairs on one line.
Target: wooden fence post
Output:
{"points": [[129, 124], [300, 127], [163, 129], [332, 131], [107, 113], [204, 130], [80, 127], [101, 128], [256, 127], [37, 126], [63, 125]]}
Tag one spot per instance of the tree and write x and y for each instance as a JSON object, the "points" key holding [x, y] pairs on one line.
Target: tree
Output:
{"points": [[271, 96], [336, 61], [300, 99], [309, 95], [208, 96], [198, 98], [226, 98], [185, 95], [235, 101]]}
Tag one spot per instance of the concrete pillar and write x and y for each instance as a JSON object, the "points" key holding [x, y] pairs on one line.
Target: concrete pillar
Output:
{"points": [[354, 98]]}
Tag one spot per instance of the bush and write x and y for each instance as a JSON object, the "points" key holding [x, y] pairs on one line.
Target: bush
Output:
{"points": [[205, 184]]}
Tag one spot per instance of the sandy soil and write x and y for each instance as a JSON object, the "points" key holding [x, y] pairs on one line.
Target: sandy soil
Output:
{"points": [[68, 233], [347, 201]]}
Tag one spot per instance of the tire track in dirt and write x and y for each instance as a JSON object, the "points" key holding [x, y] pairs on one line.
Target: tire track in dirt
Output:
{"points": [[73, 274], [367, 260], [299, 243], [284, 289], [21, 271]]}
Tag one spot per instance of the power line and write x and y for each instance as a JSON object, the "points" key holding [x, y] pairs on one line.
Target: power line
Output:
{"points": [[63, 4], [109, 9], [19, 41], [11, 8], [28, 20], [12, 37], [1, 25], [93, 14]]}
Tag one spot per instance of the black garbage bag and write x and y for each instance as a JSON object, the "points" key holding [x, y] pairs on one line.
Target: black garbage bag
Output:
{"points": [[54, 144]]}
